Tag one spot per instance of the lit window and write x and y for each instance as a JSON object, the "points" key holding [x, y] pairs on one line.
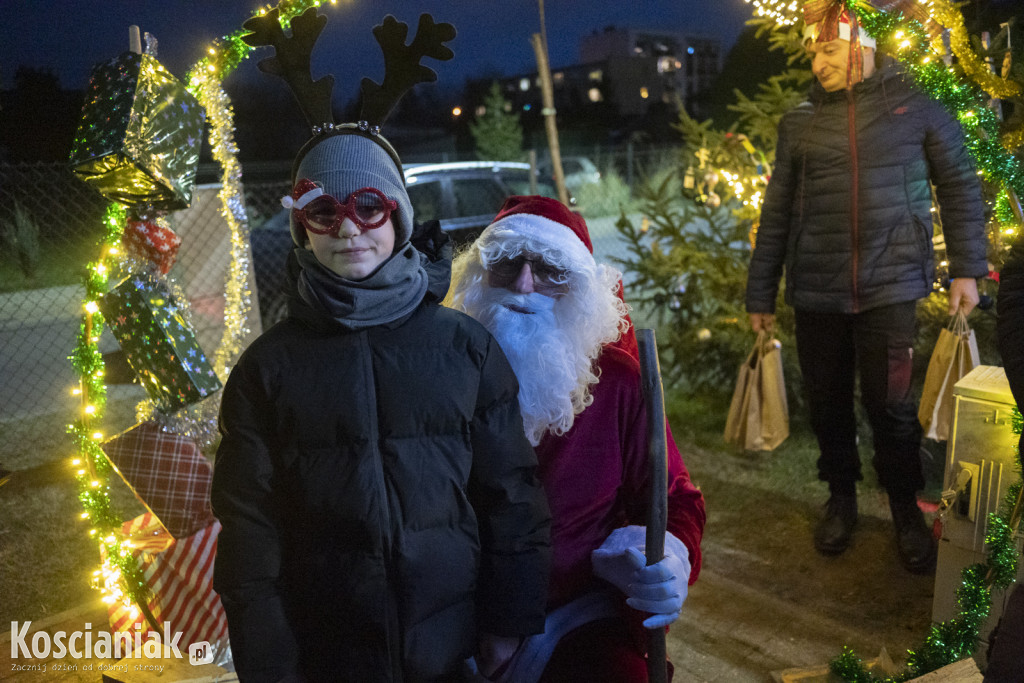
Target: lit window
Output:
{"points": [[594, 95], [595, 75], [524, 84], [644, 94]]}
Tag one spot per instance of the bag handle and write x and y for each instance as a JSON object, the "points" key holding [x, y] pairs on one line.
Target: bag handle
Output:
{"points": [[765, 342], [958, 324]]}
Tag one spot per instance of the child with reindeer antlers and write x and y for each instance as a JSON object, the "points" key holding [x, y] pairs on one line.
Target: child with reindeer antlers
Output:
{"points": [[382, 520]]}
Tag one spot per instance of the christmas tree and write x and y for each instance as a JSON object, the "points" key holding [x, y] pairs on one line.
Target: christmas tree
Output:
{"points": [[497, 132], [687, 261]]}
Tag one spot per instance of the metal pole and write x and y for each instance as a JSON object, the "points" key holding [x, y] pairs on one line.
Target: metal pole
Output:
{"points": [[657, 518], [533, 171], [548, 98]]}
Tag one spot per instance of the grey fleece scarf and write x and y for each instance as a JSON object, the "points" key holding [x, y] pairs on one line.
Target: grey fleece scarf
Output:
{"points": [[392, 292]]}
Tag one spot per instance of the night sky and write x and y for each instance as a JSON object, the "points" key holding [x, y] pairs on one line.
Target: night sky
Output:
{"points": [[69, 36]]}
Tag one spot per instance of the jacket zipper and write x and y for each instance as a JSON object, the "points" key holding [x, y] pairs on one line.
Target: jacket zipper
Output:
{"points": [[389, 608], [854, 192]]}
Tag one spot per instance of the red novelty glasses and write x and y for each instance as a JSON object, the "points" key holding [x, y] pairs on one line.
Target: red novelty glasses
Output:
{"points": [[368, 208]]}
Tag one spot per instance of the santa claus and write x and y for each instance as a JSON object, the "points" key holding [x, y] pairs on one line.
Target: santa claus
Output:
{"points": [[532, 281]]}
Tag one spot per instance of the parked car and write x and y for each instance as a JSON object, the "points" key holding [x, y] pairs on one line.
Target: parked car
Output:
{"points": [[463, 196], [578, 171]]}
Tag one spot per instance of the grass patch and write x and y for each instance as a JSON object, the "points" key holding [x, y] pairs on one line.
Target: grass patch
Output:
{"points": [[790, 471]]}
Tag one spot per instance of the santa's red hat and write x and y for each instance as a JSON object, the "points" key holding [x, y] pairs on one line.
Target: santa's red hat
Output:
{"points": [[545, 221]]}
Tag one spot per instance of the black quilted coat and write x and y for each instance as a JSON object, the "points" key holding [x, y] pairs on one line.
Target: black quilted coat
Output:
{"points": [[848, 207], [378, 500]]}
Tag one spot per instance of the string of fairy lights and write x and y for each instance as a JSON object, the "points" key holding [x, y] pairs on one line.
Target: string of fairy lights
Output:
{"points": [[120, 577], [965, 94]]}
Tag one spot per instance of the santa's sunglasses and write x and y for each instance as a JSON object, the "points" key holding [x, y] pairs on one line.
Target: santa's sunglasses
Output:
{"points": [[547, 279], [368, 208]]}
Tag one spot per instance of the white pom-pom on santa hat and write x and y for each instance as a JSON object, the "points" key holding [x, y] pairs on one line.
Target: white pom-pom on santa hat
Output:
{"points": [[302, 194]]}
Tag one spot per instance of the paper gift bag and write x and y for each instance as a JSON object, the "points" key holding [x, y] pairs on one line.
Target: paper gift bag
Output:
{"points": [[758, 418], [158, 343], [167, 472], [140, 135], [955, 354], [179, 574]]}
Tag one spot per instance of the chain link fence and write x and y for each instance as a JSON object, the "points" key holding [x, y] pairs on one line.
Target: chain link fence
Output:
{"points": [[50, 226]]}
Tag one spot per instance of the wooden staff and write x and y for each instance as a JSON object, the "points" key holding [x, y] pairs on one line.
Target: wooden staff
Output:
{"points": [[657, 515]]}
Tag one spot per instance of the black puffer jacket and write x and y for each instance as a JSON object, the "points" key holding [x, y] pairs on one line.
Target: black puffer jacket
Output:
{"points": [[375, 543], [848, 207]]}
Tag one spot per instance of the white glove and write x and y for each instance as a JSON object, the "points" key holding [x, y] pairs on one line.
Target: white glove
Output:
{"points": [[659, 589]]}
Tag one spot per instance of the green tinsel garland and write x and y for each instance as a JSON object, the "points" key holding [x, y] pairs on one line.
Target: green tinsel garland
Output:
{"points": [[93, 491], [228, 52]]}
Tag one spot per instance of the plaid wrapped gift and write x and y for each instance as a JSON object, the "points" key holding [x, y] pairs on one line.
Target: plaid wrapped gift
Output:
{"points": [[167, 472], [180, 575], [153, 242], [158, 343], [140, 134]]}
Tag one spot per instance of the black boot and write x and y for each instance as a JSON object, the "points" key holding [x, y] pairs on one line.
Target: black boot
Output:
{"points": [[914, 539], [833, 533]]}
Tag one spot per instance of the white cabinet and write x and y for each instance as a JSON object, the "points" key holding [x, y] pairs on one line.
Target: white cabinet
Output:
{"points": [[981, 463]]}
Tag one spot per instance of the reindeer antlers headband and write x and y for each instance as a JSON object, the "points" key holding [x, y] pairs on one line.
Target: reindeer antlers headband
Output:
{"points": [[402, 69]]}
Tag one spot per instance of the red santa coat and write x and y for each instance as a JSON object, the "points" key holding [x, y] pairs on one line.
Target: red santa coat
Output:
{"points": [[596, 478]]}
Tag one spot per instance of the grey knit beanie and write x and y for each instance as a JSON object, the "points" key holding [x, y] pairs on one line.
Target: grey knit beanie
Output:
{"points": [[343, 164]]}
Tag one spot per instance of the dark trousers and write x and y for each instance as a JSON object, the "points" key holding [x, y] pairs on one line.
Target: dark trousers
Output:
{"points": [[832, 348]]}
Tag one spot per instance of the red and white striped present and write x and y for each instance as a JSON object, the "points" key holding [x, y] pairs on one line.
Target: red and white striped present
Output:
{"points": [[180, 574], [153, 242], [167, 472]]}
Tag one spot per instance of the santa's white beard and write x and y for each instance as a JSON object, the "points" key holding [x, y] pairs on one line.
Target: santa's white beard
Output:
{"points": [[543, 356]]}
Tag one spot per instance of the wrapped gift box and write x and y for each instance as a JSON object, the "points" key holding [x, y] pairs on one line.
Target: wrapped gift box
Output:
{"points": [[140, 134], [180, 575], [159, 344], [167, 472], [152, 241]]}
